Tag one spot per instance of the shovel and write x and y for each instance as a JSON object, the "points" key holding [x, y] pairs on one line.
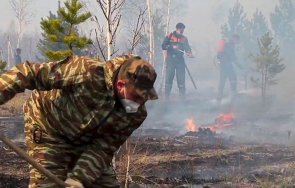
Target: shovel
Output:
{"points": [[32, 162]]}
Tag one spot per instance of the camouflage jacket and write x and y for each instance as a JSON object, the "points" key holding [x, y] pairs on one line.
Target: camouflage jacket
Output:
{"points": [[70, 99]]}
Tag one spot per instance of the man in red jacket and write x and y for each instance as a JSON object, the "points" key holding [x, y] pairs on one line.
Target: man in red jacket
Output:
{"points": [[176, 45], [226, 56]]}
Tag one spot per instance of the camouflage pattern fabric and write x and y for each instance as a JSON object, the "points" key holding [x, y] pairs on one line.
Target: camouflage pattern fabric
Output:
{"points": [[69, 101]]}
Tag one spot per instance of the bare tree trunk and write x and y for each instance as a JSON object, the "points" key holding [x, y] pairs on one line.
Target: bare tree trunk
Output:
{"points": [[264, 84], [9, 54], [151, 33], [127, 164], [111, 10], [262, 75], [168, 16], [109, 30], [1, 55], [21, 9], [137, 36], [165, 51], [19, 35]]}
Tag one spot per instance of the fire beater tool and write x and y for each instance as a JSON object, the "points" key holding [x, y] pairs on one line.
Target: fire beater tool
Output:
{"points": [[187, 70], [31, 161]]}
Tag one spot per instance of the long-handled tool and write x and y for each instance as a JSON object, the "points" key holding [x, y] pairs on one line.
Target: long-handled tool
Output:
{"points": [[31, 161], [188, 72]]}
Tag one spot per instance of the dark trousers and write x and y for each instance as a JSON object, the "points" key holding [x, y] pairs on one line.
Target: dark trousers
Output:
{"points": [[227, 71], [175, 65]]}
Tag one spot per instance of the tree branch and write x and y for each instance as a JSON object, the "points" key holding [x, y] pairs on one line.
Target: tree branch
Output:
{"points": [[136, 32]]}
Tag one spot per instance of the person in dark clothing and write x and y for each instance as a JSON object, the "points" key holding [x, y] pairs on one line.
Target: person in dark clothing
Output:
{"points": [[227, 57], [17, 57], [176, 44]]}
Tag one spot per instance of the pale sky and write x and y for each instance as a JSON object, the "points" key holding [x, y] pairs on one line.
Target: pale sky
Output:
{"points": [[40, 8]]}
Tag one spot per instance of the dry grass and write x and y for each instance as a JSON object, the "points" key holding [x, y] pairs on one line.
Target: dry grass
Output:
{"points": [[15, 105]]}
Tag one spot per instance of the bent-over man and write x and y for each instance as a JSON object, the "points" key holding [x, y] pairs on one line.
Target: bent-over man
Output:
{"points": [[79, 113]]}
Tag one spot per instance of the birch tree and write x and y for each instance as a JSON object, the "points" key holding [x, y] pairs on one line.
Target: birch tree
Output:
{"points": [[9, 53], [151, 33], [168, 18], [111, 10], [23, 15], [137, 31]]}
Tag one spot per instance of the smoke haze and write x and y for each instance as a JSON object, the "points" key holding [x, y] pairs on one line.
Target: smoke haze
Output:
{"points": [[271, 124], [203, 19]]}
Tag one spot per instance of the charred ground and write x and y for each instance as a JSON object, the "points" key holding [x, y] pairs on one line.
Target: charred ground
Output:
{"points": [[185, 160], [157, 155]]}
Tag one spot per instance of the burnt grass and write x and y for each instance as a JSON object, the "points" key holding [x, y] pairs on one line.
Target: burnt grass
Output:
{"points": [[218, 163], [203, 159], [13, 170], [172, 162]]}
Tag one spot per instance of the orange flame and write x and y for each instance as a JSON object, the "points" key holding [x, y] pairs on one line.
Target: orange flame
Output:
{"points": [[191, 125], [222, 121], [226, 117]]}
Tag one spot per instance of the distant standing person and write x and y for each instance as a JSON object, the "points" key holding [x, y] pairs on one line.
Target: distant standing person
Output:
{"points": [[227, 57], [176, 44], [17, 57]]}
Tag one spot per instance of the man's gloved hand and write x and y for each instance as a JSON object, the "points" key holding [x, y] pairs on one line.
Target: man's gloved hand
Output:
{"points": [[72, 183]]}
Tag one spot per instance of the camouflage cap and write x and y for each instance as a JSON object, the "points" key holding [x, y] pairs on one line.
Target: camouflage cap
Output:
{"points": [[142, 75]]}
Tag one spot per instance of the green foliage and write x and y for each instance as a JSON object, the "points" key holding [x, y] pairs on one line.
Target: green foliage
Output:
{"points": [[249, 31], [268, 64], [56, 55], [254, 29], [2, 66], [236, 21], [60, 33], [281, 20], [258, 25]]}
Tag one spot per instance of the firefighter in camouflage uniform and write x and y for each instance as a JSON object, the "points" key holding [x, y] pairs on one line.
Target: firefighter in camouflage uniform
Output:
{"points": [[79, 113]]}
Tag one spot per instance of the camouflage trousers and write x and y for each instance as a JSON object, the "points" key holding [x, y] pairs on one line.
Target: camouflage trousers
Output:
{"points": [[59, 157]]}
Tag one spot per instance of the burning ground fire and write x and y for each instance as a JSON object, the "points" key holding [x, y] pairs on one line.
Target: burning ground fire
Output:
{"points": [[221, 121], [191, 125]]}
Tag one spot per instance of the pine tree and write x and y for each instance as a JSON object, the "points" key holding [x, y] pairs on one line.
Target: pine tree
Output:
{"points": [[268, 64], [281, 22], [61, 37], [258, 25], [45, 44], [255, 29], [236, 21]]}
